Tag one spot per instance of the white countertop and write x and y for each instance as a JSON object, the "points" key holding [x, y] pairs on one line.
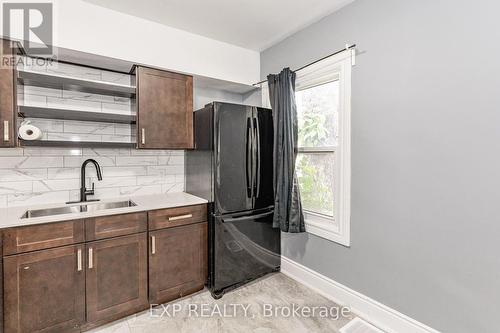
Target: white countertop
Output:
{"points": [[11, 216]]}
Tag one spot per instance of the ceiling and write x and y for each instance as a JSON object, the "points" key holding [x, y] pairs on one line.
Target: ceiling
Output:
{"points": [[252, 24]]}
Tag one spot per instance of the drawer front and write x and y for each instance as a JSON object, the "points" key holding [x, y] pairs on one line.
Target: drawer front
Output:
{"points": [[115, 225], [173, 217], [43, 236]]}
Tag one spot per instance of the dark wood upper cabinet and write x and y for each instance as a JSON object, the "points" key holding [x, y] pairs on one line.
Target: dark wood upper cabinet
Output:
{"points": [[164, 109], [177, 262], [44, 291], [116, 278], [7, 96]]}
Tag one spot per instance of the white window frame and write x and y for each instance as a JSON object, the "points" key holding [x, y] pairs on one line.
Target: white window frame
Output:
{"points": [[337, 67]]}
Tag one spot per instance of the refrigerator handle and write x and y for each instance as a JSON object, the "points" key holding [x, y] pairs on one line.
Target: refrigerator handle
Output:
{"points": [[257, 156], [217, 153], [248, 217], [249, 158]]}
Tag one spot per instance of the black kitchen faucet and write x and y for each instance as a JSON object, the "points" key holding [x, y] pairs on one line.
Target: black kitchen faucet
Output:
{"points": [[83, 190]]}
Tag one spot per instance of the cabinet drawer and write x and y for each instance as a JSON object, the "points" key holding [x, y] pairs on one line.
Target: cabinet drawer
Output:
{"points": [[173, 217], [115, 225], [43, 236]]}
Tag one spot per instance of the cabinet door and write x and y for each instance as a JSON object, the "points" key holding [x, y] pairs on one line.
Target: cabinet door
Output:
{"points": [[7, 98], [164, 109], [1, 285], [44, 291], [177, 262], [116, 277]]}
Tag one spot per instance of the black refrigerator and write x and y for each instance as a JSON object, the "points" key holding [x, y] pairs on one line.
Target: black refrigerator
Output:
{"points": [[232, 167]]}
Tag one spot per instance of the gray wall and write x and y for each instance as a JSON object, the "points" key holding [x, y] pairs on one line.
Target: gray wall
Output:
{"points": [[425, 157], [203, 96]]}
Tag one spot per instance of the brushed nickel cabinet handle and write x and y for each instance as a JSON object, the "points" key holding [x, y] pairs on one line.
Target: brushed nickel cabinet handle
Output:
{"points": [[143, 136], [153, 244], [91, 258], [180, 217], [79, 259], [6, 134]]}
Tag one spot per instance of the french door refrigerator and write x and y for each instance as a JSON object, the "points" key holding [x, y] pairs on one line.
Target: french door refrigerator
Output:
{"points": [[232, 167]]}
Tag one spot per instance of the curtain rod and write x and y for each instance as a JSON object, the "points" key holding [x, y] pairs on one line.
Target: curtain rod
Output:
{"points": [[348, 47]]}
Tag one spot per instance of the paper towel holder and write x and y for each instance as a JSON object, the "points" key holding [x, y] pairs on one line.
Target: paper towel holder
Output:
{"points": [[29, 131]]}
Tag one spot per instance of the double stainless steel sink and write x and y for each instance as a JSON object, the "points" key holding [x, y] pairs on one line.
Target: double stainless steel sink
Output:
{"points": [[82, 208]]}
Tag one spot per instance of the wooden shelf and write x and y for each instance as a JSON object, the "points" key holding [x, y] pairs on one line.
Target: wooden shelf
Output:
{"points": [[66, 114], [76, 144], [47, 80]]}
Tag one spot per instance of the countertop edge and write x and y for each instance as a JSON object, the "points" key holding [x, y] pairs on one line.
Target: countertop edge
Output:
{"points": [[11, 216]]}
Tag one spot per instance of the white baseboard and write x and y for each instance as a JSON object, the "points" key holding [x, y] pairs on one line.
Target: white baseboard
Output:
{"points": [[370, 310]]}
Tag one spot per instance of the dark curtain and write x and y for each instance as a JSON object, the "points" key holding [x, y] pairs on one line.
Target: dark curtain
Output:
{"points": [[288, 215]]}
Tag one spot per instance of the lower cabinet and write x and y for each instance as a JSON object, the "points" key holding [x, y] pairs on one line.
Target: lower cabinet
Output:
{"points": [[103, 275], [117, 281], [180, 254], [44, 291]]}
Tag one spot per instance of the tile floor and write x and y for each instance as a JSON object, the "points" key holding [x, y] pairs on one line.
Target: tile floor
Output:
{"points": [[277, 290]]}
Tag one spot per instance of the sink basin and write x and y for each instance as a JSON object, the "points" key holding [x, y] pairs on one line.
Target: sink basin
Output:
{"points": [[82, 208]]}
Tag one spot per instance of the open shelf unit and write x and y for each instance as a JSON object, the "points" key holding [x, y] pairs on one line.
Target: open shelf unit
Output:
{"points": [[47, 80], [67, 82], [66, 114]]}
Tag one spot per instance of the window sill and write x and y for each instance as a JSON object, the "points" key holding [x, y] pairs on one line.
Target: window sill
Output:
{"points": [[325, 228]]}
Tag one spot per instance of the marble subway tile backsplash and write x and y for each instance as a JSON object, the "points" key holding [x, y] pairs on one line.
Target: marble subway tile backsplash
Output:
{"points": [[31, 176]]}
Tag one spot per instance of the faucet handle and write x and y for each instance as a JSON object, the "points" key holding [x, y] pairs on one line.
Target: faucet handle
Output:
{"points": [[91, 192]]}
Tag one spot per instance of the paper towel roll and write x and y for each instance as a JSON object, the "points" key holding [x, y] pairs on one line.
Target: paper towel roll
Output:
{"points": [[29, 132]]}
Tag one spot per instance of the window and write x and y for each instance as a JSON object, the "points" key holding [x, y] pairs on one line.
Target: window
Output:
{"points": [[323, 95], [317, 111]]}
